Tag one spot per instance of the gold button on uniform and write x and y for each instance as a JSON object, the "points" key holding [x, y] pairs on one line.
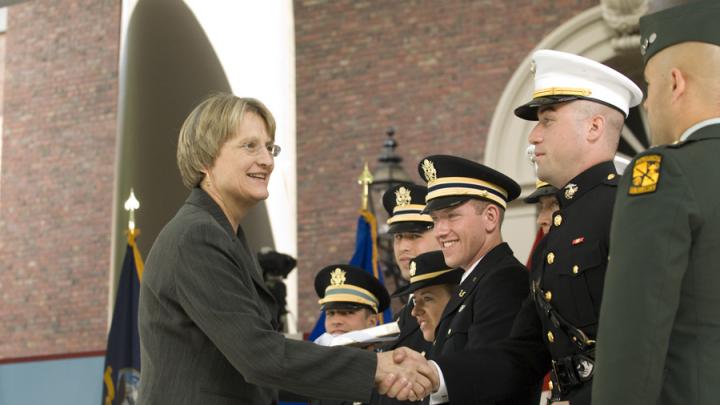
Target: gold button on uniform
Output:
{"points": [[548, 296], [449, 332], [550, 385], [575, 269], [557, 220], [551, 337], [611, 176], [551, 258]]}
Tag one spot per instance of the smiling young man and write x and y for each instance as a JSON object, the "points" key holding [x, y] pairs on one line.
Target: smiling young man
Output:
{"points": [[467, 203]]}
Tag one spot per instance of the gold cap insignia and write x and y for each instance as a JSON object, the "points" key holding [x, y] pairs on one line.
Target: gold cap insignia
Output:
{"points": [[337, 277], [645, 174], [570, 191], [413, 268], [429, 170], [402, 197]]}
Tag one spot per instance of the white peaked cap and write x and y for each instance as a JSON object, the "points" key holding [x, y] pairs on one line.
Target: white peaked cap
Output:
{"points": [[561, 76]]}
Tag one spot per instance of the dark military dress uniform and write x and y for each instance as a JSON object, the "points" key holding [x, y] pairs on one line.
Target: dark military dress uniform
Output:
{"points": [[572, 277], [482, 311], [486, 303], [571, 281], [484, 307]]}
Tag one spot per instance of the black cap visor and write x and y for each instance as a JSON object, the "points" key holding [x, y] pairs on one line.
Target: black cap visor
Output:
{"points": [[348, 306], [446, 202], [528, 111], [410, 227], [451, 277], [541, 192]]}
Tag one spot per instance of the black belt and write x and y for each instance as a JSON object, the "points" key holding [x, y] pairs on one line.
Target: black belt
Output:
{"points": [[571, 371], [583, 342]]}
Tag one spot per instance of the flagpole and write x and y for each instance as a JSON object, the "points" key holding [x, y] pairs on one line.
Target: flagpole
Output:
{"points": [[131, 205], [122, 357], [365, 179]]}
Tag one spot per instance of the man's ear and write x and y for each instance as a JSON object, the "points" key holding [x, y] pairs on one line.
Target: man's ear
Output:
{"points": [[492, 215], [678, 81], [596, 128]]}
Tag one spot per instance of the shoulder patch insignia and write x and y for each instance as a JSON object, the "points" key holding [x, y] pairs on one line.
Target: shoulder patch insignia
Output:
{"points": [[645, 174]]}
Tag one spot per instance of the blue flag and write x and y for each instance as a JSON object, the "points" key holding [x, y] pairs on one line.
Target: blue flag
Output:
{"points": [[365, 257], [122, 360]]}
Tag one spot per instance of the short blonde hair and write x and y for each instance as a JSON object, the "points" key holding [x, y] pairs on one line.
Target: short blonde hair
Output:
{"points": [[208, 127]]}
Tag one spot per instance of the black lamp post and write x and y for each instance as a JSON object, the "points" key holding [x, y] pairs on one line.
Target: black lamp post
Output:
{"points": [[388, 173]]}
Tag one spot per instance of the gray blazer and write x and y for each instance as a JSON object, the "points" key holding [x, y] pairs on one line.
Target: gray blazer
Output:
{"points": [[206, 324]]}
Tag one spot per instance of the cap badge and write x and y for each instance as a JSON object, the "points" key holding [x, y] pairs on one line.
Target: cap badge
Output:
{"points": [[402, 197], [413, 268], [647, 42], [337, 277], [570, 191], [533, 67], [429, 170]]}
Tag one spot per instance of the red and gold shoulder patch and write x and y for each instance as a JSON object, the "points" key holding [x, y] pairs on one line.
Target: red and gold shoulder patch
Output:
{"points": [[645, 174]]}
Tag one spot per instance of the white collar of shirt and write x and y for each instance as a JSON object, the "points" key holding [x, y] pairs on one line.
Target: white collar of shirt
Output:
{"points": [[701, 124], [467, 272]]}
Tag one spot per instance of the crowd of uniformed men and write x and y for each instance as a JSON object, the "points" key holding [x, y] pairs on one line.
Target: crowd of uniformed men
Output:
{"points": [[622, 289]]}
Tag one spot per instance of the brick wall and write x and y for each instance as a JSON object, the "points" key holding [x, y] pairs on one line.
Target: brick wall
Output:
{"points": [[57, 175], [432, 69]]}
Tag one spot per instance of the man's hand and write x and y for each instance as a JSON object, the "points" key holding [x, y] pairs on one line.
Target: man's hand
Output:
{"points": [[405, 374]]}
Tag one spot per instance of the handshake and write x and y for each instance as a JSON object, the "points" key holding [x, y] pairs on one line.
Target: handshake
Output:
{"points": [[406, 375]]}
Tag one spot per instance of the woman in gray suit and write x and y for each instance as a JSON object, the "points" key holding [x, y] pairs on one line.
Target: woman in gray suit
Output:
{"points": [[208, 334]]}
